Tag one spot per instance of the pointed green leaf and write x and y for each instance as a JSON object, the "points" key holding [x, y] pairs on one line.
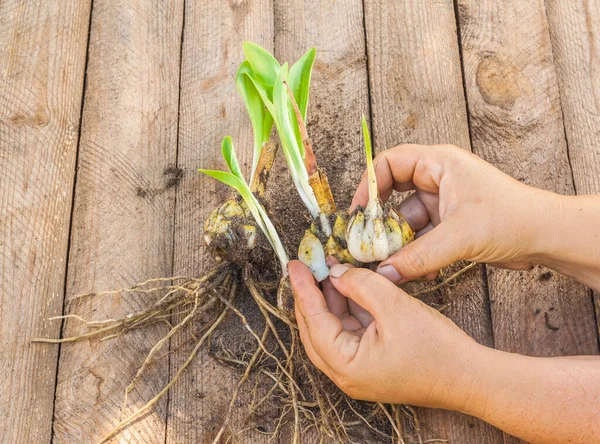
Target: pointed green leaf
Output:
{"points": [[373, 193], [264, 65], [286, 121], [230, 157], [299, 79], [261, 119], [367, 138], [267, 100]]}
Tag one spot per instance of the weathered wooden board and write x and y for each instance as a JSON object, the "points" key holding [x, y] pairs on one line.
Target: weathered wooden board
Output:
{"points": [[417, 96], [339, 87], [122, 229], [210, 109], [575, 36], [42, 63], [339, 97], [516, 123]]}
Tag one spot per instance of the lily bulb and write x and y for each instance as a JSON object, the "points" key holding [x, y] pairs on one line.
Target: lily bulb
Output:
{"points": [[227, 224], [312, 254], [370, 236]]}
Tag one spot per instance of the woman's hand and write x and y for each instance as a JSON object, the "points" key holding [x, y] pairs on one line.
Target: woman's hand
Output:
{"points": [[463, 208], [376, 342], [379, 344]]}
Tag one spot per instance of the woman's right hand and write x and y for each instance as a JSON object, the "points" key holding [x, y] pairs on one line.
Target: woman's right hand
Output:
{"points": [[462, 208]]}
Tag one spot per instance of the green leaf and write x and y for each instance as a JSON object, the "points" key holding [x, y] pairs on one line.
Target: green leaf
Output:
{"points": [[299, 79], [367, 138], [373, 193], [230, 158], [264, 65], [286, 121], [267, 76], [261, 119], [267, 100]]}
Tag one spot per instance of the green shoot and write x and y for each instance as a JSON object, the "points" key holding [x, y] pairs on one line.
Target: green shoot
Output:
{"points": [[263, 64], [267, 78], [236, 180], [299, 79], [261, 119], [373, 193]]}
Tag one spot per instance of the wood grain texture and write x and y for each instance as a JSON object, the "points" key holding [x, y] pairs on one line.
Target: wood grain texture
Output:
{"points": [[339, 86], [339, 97], [575, 35], [417, 96], [516, 124], [123, 214], [42, 62], [210, 109]]}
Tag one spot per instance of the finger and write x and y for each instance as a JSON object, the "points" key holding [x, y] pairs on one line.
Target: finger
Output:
{"points": [[433, 251], [330, 341], [370, 291], [310, 351], [340, 306], [415, 212], [405, 168], [431, 201], [431, 276], [423, 230], [337, 303], [362, 316]]}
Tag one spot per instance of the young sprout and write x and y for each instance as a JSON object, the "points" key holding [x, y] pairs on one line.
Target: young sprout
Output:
{"points": [[261, 119], [276, 93], [267, 77], [370, 237], [220, 221]]}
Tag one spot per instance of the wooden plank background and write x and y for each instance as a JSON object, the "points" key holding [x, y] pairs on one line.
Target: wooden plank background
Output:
{"points": [[209, 110], [122, 229], [516, 82], [417, 97], [42, 63]]}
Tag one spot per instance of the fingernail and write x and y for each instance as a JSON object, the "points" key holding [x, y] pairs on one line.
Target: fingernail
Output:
{"points": [[389, 272], [338, 270]]}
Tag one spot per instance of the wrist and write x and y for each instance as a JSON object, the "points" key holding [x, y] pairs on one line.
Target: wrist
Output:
{"points": [[546, 218], [568, 240], [463, 384]]}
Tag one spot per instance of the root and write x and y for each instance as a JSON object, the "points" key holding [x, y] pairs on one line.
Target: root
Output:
{"points": [[393, 422], [445, 281], [138, 413], [176, 296], [305, 399], [161, 343], [241, 382]]}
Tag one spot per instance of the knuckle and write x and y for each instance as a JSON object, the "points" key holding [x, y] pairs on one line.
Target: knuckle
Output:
{"points": [[449, 148], [413, 263], [312, 320], [357, 278], [347, 385]]}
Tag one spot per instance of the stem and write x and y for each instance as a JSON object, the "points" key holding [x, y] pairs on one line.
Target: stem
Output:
{"points": [[317, 179], [264, 163], [310, 161], [373, 192]]}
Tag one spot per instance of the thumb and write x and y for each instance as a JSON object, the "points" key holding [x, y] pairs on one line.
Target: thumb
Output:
{"points": [[369, 290], [436, 249]]}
